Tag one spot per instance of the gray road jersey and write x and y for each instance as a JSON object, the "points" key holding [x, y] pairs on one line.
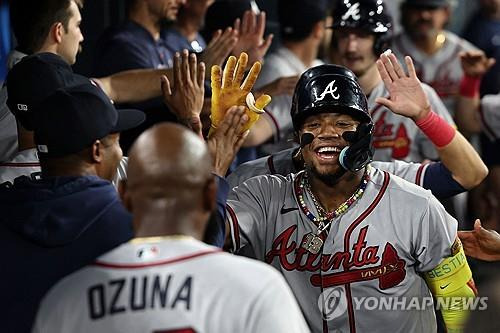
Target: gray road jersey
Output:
{"points": [[281, 164], [171, 285], [377, 248], [397, 137]]}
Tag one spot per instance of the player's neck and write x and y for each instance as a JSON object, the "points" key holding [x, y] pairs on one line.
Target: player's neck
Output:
{"points": [[432, 44], [369, 79], [155, 221], [332, 196], [144, 18], [304, 50]]}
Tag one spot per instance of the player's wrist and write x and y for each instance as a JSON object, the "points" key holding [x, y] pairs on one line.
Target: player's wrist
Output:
{"points": [[469, 86], [422, 114], [436, 129]]}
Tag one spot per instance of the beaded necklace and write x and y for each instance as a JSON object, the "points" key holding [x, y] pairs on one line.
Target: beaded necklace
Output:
{"points": [[312, 241]]}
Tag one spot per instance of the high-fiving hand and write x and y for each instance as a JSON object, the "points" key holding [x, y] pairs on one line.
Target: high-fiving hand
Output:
{"points": [[228, 90], [407, 97]]}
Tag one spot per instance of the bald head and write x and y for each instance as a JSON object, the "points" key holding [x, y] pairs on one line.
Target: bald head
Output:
{"points": [[169, 175]]}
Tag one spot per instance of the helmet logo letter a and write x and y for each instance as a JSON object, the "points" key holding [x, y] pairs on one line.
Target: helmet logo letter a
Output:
{"points": [[330, 89], [353, 12]]}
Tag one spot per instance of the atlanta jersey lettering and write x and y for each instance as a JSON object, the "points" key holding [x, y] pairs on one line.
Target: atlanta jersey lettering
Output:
{"points": [[379, 247], [397, 137], [171, 285], [442, 70]]}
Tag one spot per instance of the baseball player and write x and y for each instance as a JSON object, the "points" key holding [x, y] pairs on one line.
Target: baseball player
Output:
{"points": [[435, 50], [166, 280], [460, 167], [341, 230], [362, 31]]}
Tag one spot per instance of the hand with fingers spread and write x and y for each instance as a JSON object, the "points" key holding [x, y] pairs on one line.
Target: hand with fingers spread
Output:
{"points": [[251, 36], [227, 91], [185, 98], [225, 141], [475, 63], [407, 97], [481, 243], [220, 47]]}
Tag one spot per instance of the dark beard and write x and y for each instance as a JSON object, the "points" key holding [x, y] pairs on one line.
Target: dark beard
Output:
{"points": [[328, 179]]}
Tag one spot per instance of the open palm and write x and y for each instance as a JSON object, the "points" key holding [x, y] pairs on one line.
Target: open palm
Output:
{"points": [[407, 97]]}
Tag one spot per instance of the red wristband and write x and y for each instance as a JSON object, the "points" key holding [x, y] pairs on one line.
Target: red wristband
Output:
{"points": [[436, 129], [469, 86]]}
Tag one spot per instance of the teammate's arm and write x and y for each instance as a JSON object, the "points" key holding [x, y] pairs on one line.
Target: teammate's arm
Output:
{"points": [[409, 99], [474, 64], [134, 85]]}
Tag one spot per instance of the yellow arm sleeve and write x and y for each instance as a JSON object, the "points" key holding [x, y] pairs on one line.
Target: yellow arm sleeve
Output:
{"points": [[452, 284]]}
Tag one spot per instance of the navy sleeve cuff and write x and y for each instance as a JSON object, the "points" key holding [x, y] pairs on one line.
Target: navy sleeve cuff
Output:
{"points": [[439, 180]]}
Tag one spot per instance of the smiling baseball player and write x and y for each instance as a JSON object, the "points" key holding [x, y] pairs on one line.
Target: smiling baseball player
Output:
{"points": [[344, 225]]}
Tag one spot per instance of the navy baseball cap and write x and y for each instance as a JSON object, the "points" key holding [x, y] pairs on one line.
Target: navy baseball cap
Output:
{"points": [[298, 17], [35, 78], [72, 118]]}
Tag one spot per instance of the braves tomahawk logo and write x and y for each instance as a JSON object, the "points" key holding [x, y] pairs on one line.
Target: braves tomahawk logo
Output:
{"points": [[390, 270], [330, 89], [353, 12]]}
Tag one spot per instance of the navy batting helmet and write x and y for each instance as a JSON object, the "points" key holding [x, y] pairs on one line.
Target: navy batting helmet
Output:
{"points": [[325, 89], [368, 15]]}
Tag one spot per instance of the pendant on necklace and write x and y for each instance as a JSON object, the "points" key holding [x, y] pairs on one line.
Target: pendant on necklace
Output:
{"points": [[312, 243]]}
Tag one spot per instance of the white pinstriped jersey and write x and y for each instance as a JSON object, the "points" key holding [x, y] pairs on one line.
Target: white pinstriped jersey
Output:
{"points": [[442, 70], [490, 116], [379, 247], [397, 137], [171, 285], [281, 164]]}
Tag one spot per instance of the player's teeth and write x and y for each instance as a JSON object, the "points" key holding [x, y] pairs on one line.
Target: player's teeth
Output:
{"points": [[328, 149]]}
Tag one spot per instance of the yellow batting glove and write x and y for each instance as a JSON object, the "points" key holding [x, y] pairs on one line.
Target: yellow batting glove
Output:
{"points": [[227, 90]]}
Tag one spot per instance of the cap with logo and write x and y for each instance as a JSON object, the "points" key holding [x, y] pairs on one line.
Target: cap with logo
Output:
{"points": [[72, 118], [33, 79]]}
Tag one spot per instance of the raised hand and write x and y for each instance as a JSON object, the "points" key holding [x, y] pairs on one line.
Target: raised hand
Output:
{"points": [[407, 97], [251, 36], [227, 90], [475, 63], [219, 47], [481, 243], [185, 98], [225, 141]]}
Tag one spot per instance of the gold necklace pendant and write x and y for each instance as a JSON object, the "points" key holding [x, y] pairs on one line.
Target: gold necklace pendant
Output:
{"points": [[312, 243]]}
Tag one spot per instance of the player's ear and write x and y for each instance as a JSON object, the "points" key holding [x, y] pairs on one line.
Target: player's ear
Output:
{"points": [[57, 31], [209, 195], [96, 151], [122, 192]]}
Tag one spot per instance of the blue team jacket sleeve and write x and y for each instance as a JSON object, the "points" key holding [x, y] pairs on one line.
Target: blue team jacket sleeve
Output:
{"points": [[439, 180], [216, 228]]}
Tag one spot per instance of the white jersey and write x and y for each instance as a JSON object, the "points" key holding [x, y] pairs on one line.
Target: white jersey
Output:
{"points": [[24, 163], [8, 125], [281, 164], [442, 70], [171, 285], [490, 116], [281, 63], [379, 247], [396, 136]]}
